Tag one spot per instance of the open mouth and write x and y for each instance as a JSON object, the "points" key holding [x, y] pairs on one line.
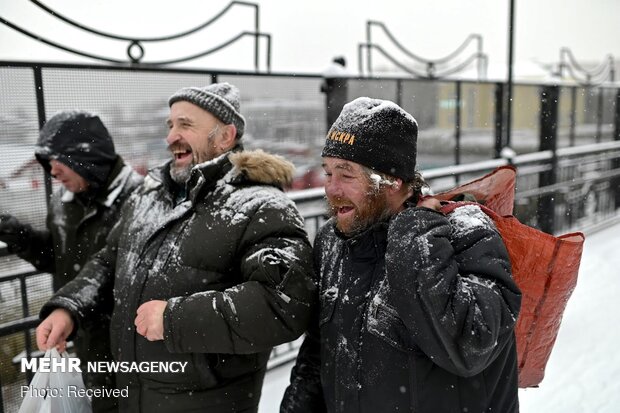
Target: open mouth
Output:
{"points": [[182, 155], [344, 210]]}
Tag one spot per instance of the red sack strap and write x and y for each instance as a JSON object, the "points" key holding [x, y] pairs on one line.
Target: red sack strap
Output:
{"points": [[545, 268]]}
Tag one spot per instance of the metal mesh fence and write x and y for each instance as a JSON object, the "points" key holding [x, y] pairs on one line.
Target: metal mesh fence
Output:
{"points": [[285, 115]]}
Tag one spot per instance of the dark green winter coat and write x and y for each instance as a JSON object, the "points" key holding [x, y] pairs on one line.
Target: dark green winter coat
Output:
{"points": [[416, 315], [232, 260]]}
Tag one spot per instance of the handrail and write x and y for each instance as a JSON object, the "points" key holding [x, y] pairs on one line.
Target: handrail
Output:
{"points": [[57, 45], [431, 64], [469, 39], [135, 50], [144, 39], [604, 72], [391, 59]]}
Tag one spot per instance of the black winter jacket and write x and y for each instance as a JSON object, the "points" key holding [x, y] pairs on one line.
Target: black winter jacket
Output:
{"points": [[416, 315], [75, 231], [233, 261]]}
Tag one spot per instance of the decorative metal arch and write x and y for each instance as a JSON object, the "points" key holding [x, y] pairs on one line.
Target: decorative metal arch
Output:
{"points": [[136, 43], [435, 68], [604, 72]]}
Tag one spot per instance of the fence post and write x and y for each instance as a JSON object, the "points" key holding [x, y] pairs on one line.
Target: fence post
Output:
{"points": [[457, 125], [38, 90], [599, 116], [499, 119], [616, 161], [573, 116], [548, 142], [336, 91]]}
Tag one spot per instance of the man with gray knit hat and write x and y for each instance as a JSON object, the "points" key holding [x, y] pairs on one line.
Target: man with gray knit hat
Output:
{"points": [[208, 268], [77, 150], [417, 309]]}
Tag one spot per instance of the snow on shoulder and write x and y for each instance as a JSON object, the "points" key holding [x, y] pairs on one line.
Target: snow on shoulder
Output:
{"points": [[467, 218]]}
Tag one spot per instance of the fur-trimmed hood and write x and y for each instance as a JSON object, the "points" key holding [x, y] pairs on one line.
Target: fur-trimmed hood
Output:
{"points": [[238, 167], [262, 167]]}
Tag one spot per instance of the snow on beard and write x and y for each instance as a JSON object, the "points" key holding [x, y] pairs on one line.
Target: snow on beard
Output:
{"points": [[374, 209]]}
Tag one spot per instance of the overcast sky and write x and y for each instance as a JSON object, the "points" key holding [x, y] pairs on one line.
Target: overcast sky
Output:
{"points": [[306, 35]]}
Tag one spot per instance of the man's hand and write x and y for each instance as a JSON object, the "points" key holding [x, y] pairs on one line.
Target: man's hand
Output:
{"points": [[10, 230], [54, 330], [150, 320]]}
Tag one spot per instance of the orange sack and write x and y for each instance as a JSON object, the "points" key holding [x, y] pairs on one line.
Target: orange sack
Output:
{"points": [[544, 266]]}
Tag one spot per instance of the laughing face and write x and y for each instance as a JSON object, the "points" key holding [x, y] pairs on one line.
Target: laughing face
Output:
{"points": [[194, 136], [353, 199]]}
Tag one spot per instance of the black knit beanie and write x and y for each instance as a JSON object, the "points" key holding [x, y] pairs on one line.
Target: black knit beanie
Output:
{"points": [[219, 99], [375, 133], [80, 141]]}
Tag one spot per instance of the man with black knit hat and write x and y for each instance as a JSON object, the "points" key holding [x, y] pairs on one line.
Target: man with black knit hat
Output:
{"points": [[76, 149], [417, 309], [210, 266]]}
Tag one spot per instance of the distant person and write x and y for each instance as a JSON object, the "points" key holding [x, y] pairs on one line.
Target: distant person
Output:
{"points": [[417, 309], [335, 85], [210, 266], [77, 150]]}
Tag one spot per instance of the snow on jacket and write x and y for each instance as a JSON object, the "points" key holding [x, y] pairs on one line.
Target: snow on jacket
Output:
{"points": [[233, 261], [75, 231], [416, 315]]}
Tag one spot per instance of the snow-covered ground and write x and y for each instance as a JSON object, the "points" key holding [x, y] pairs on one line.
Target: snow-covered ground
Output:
{"points": [[583, 373]]}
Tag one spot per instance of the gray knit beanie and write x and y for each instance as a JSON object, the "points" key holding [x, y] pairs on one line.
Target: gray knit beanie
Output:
{"points": [[219, 99]]}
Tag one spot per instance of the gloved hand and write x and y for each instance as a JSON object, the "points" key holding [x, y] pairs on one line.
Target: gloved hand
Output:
{"points": [[13, 233]]}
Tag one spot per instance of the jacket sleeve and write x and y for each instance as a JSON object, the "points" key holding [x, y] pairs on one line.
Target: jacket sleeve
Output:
{"points": [[37, 247], [271, 306], [91, 291], [450, 281], [304, 394]]}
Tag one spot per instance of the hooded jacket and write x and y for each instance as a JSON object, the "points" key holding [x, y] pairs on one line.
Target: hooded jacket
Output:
{"points": [[233, 262], [81, 141], [78, 224], [416, 315]]}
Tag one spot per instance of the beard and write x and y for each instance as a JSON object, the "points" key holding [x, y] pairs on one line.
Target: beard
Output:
{"points": [[181, 173], [374, 210]]}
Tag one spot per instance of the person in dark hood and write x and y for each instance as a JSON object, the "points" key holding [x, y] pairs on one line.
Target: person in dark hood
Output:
{"points": [[77, 150], [417, 309], [209, 267]]}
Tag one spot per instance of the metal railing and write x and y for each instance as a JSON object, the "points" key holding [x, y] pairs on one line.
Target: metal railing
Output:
{"points": [[587, 194], [566, 154], [135, 48]]}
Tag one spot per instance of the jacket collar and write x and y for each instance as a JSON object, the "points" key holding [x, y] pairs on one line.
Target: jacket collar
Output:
{"points": [[377, 232], [236, 167]]}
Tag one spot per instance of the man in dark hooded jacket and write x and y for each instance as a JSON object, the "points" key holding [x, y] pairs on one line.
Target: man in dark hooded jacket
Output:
{"points": [[210, 267], [417, 309], [76, 149]]}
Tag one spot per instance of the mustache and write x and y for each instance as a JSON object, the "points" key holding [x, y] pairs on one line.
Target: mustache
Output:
{"points": [[179, 146], [339, 202], [333, 205]]}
